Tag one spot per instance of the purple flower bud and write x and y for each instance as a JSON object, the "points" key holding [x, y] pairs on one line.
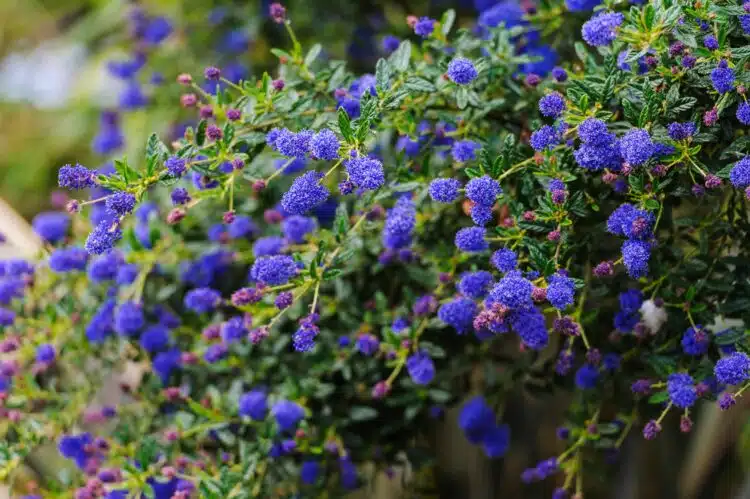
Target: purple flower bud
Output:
{"points": [[212, 73], [234, 114], [277, 12], [651, 429]]}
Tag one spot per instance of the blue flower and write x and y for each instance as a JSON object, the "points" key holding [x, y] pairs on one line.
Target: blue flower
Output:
{"points": [[739, 176], [129, 319], [156, 30], [471, 239], [68, 259], [103, 237], [681, 131], [508, 12], [481, 214], [52, 226], [733, 369], [305, 194], [552, 105], [175, 166], [296, 228], [587, 376], [367, 344], [155, 338], [74, 447], [513, 291], [274, 270], [581, 5], [462, 71], [7, 317], [420, 367], [743, 113], [254, 404], [601, 29], [496, 441], [325, 145], [695, 341], [504, 260], [45, 353], [559, 74], [560, 291], [241, 227], [365, 173], [483, 190], [76, 177], [530, 326], [287, 414], [681, 390], [636, 147], [165, 363], [309, 472], [390, 43], [722, 78], [635, 255], [745, 23], [105, 267], [475, 284], [710, 42], [424, 27], [444, 190], [267, 246], [476, 419], [132, 97], [458, 313], [547, 137], [399, 224], [102, 322], [464, 150], [202, 300]]}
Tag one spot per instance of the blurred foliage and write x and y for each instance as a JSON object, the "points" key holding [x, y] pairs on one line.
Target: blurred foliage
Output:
{"points": [[35, 141]]}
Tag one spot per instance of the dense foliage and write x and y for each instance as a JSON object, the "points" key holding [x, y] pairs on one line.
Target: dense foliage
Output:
{"points": [[322, 261]]}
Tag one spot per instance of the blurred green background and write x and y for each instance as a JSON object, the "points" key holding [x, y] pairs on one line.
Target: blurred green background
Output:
{"points": [[54, 82]]}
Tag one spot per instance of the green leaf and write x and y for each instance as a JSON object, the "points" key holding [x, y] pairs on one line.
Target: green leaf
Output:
{"points": [[200, 134], [419, 84], [730, 336], [462, 98], [652, 204], [382, 74], [649, 14], [399, 59], [362, 413], [127, 173], [341, 222], [156, 153], [658, 397], [446, 22], [440, 396], [281, 53], [345, 126], [312, 54]]}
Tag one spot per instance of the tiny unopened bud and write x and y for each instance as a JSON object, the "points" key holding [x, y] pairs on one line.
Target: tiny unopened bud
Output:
{"points": [[188, 100], [73, 206], [175, 216], [184, 79]]}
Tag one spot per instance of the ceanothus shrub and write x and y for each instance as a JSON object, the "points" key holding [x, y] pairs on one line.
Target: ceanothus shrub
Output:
{"points": [[307, 271]]}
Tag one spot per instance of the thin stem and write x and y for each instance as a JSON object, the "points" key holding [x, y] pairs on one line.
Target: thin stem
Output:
{"points": [[315, 296], [279, 171], [332, 169]]}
